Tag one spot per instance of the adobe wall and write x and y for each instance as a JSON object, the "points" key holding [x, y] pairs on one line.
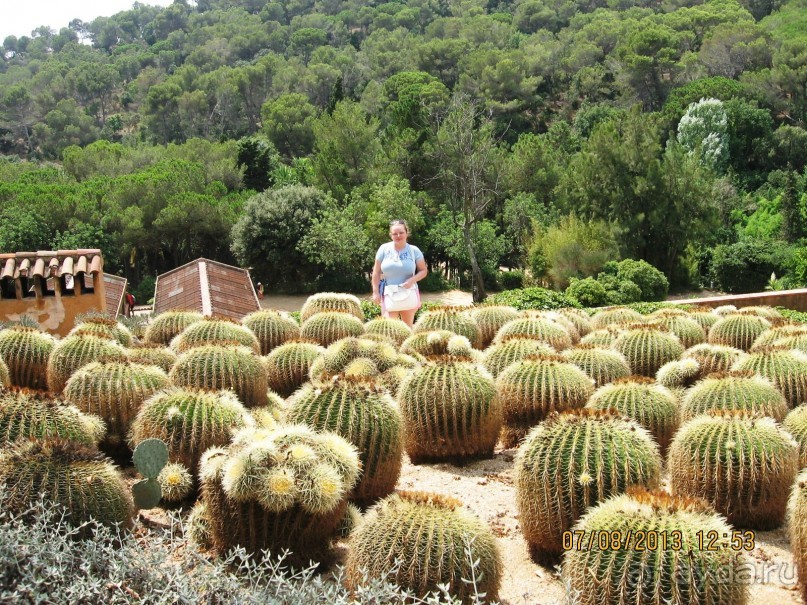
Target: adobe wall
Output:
{"points": [[791, 299]]}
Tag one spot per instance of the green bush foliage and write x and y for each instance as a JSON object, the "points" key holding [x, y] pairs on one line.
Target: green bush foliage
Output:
{"points": [[532, 298]]}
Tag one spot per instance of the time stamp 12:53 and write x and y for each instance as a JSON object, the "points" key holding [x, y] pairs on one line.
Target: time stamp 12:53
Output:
{"points": [[736, 540]]}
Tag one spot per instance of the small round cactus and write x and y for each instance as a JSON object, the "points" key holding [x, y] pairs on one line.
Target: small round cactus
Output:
{"points": [[114, 391], [776, 333], [797, 509], [439, 342], [531, 389], [166, 326], [630, 572], [560, 319], [454, 319], [220, 367], [723, 310], [450, 411], [327, 327], [615, 316], [215, 331], [393, 329], [499, 356], [603, 337], [78, 350], [579, 318], [765, 311], [740, 391], [155, 355], [104, 327], [339, 355], [331, 301], [490, 318], [743, 465], [279, 489], [423, 541], [28, 414], [713, 358], [679, 374], [705, 317], [689, 331], [176, 482], [641, 399], [26, 351], [272, 328], [287, 367], [197, 527], [190, 421], [72, 476], [599, 364], [367, 417], [572, 461], [787, 369], [538, 328], [646, 349], [796, 424], [738, 330]]}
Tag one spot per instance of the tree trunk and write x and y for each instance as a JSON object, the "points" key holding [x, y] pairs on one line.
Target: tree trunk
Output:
{"points": [[479, 293]]}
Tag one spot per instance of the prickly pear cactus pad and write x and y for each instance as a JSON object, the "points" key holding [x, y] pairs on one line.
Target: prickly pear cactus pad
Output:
{"points": [[531, 389], [604, 561], [287, 366], [215, 331], [26, 351], [450, 411], [331, 301], [743, 465], [114, 391], [572, 461], [272, 328], [26, 414], [70, 475], [741, 391], [190, 421], [454, 319], [797, 525], [367, 417], [223, 367], [435, 542], [166, 326], [279, 489]]}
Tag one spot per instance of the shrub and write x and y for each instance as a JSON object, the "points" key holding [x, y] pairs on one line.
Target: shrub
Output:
{"points": [[509, 280], [533, 298], [652, 282], [588, 292], [746, 266]]}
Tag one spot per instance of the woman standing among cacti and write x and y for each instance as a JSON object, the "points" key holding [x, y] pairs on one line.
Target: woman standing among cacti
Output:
{"points": [[401, 264]]}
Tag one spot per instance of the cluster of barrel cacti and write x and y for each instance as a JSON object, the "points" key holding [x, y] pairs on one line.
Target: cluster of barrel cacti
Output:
{"points": [[276, 428]]}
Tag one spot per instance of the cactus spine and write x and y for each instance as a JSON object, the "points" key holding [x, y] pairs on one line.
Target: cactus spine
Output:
{"points": [[714, 358], [435, 540], [287, 367], [740, 391], [678, 570], [75, 351], [26, 351], [364, 415], [114, 391], [272, 328], [166, 326], [190, 421], [741, 464], [155, 355], [498, 357], [646, 349], [797, 509], [490, 318], [615, 316], [215, 331], [219, 367], [327, 327], [104, 327], [796, 424], [539, 328], [28, 414], [738, 331], [531, 389], [450, 410], [787, 369], [689, 331], [72, 476], [439, 342], [280, 489], [454, 319], [331, 302], [599, 364], [572, 461], [393, 329], [641, 399]]}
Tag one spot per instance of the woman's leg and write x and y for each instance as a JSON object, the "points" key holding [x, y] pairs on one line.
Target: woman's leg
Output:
{"points": [[408, 317]]}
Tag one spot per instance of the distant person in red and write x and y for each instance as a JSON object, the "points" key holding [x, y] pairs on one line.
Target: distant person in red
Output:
{"points": [[128, 309], [260, 290]]}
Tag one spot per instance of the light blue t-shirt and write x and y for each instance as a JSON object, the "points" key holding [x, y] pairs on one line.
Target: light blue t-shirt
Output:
{"points": [[397, 267]]}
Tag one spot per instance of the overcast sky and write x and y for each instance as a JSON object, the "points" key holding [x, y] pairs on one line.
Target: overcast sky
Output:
{"points": [[19, 17]]}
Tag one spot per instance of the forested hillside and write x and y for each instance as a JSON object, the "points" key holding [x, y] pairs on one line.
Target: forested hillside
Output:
{"points": [[549, 136]]}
